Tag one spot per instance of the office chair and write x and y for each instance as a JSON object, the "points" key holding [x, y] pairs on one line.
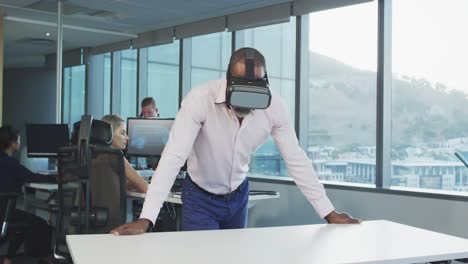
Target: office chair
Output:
{"points": [[108, 186], [97, 201], [9, 230]]}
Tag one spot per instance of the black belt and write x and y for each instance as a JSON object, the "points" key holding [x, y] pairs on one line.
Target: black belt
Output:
{"points": [[226, 196]]}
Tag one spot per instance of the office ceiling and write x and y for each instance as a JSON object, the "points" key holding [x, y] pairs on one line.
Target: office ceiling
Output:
{"points": [[28, 21]]}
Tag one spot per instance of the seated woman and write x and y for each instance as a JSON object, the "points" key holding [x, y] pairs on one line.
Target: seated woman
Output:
{"points": [[119, 141], [37, 233], [108, 170]]}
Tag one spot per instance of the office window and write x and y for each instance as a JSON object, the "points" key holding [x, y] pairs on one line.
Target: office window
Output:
{"points": [[73, 93], [107, 83], [429, 94], [210, 57], [277, 43], [163, 78], [342, 93], [128, 83]]}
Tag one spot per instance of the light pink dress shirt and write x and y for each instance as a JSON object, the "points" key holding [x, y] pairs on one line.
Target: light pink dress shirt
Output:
{"points": [[218, 148]]}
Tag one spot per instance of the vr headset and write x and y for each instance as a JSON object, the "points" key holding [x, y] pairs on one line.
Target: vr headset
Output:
{"points": [[248, 92]]}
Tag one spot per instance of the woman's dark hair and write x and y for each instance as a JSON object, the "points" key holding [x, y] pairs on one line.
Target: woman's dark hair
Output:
{"points": [[8, 136]]}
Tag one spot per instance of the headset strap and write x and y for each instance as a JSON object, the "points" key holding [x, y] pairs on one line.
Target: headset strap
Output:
{"points": [[249, 64]]}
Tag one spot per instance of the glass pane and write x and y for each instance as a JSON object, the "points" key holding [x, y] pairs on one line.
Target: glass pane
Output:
{"points": [[168, 53], [200, 76], [107, 83], [77, 93], [210, 57], [74, 94], [163, 78], [267, 161], [277, 43], [128, 89], [342, 93], [66, 95], [430, 94]]}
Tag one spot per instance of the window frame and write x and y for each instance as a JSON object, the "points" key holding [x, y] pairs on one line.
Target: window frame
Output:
{"points": [[383, 104]]}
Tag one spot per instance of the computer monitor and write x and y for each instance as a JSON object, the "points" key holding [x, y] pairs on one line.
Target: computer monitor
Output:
{"points": [[43, 140], [148, 137], [463, 157]]}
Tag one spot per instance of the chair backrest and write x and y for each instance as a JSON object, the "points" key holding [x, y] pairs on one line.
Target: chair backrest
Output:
{"points": [[108, 186], [7, 206], [101, 133], [104, 171]]}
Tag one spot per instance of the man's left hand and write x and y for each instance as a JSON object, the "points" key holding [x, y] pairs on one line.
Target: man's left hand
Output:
{"points": [[341, 218]]}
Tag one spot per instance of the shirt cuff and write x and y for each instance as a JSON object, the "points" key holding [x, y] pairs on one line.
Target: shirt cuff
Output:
{"points": [[149, 213], [323, 206]]}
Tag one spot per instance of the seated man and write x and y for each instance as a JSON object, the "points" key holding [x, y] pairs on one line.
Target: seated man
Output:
{"points": [[148, 108], [37, 233]]}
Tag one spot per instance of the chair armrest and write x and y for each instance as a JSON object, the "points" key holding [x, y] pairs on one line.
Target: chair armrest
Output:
{"points": [[8, 201]]}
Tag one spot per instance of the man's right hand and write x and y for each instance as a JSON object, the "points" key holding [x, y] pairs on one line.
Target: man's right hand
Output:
{"points": [[133, 228]]}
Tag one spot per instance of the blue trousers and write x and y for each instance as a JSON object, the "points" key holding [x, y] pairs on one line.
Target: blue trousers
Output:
{"points": [[204, 211]]}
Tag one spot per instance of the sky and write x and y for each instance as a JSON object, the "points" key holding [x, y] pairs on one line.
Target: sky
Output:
{"points": [[429, 38]]}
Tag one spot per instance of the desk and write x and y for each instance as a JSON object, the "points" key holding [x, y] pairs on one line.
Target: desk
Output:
{"points": [[369, 242], [175, 198], [172, 198], [42, 186], [37, 200], [49, 186]]}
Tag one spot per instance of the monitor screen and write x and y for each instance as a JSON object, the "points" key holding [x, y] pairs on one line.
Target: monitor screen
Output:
{"points": [[148, 137], [43, 140]]}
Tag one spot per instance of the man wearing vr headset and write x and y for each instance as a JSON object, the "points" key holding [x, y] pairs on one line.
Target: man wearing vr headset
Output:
{"points": [[220, 124]]}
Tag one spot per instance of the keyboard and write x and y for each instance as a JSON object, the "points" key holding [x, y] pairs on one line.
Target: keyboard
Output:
{"points": [[145, 173]]}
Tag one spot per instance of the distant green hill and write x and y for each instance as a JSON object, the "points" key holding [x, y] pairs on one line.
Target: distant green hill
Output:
{"points": [[342, 107]]}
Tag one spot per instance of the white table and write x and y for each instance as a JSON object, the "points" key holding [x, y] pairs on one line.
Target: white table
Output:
{"points": [[369, 242]]}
